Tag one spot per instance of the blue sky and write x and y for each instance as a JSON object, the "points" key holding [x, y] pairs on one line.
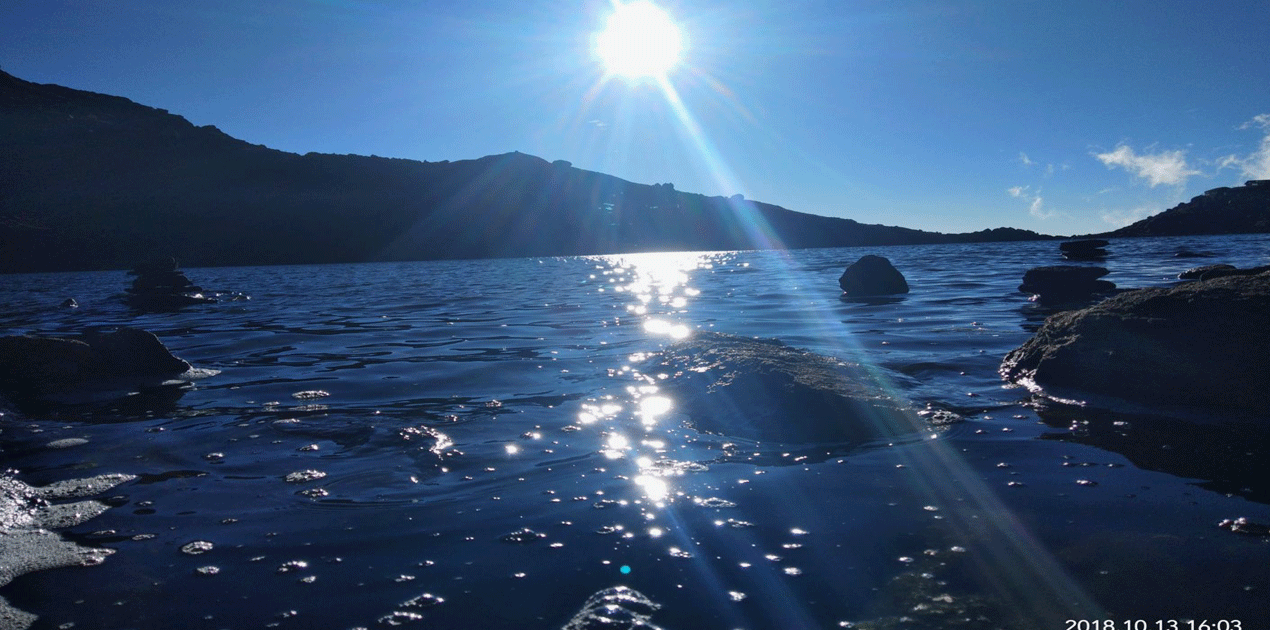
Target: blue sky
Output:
{"points": [[1063, 117]]}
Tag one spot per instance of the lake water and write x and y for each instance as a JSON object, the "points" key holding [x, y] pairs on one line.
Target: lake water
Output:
{"points": [[475, 431]]}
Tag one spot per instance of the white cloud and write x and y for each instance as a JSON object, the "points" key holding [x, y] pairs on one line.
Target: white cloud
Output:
{"points": [[1036, 206], [1255, 165], [1260, 120], [1024, 159], [1037, 209], [1166, 167]]}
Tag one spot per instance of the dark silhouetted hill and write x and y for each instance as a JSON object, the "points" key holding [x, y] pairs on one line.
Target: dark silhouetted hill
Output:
{"points": [[90, 181], [1228, 210]]}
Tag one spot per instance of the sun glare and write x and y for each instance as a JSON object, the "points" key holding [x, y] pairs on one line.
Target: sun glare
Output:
{"points": [[639, 41]]}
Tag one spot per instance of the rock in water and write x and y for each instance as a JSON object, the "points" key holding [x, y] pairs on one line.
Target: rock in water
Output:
{"points": [[1087, 249], [761, 389], [161, 286], [1197, 273], [1201, 344], [1065, 283], [1226, 270], [872, 275], [40, 365], [134, 351]]}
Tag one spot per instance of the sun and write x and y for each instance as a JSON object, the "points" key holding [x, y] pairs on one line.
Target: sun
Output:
{"points": [[639, 41]]}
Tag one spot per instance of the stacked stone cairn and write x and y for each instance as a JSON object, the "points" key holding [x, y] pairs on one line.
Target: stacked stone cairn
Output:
{"points": [[1065, 283], [1087, 249], [160, 285]]}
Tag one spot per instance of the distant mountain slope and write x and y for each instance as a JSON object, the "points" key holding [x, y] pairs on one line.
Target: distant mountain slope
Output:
{"points": [[1229, 210], [90, 181]]}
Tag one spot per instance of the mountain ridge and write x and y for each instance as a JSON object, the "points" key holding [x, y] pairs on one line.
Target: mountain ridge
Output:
{"points": [[99, 182], [1225, 210]]}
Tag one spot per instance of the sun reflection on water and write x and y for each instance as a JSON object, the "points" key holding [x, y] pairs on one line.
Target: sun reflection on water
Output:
{"points": [[658, 298]]}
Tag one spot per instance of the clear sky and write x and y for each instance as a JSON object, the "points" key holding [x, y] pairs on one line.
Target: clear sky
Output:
{"points": [[1061, 116]]}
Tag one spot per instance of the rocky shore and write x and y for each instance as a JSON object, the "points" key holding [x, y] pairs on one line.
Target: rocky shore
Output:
{"points": [[1201, 344]]}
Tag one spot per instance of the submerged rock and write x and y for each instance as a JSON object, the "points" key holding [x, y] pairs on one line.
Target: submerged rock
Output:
{"points": [[1201, 344], [1197, 273], [1229, 460], [872, 275], [1186, 253], [761, 389]]}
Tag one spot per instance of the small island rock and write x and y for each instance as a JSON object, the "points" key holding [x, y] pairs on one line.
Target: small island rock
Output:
{"points": [[161, 286], [872, 275], [1198, 344]]}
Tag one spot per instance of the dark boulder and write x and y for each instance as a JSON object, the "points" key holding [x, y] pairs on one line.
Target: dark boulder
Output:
{"points": [[134, 351], [31, 365], [1197, 273], [1065, 283], [872, 275], [1087, 249], [761, 389], [70, 303], [1082, 245], [169, 281], [160, 286], [1201, 345]]}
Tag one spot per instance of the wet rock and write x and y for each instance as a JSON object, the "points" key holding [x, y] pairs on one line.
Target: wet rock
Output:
{"points": [[1227, 270], [36, 366], [761, 389], [1086, 249], [27, 514], [1065, 283], [134, 351], [872, 275], [1197, 273], [160, 286], [70, 303], [1201, 344]]}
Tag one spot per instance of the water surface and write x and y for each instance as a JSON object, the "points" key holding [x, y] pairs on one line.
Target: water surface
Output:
{"points": [[477, 432]]}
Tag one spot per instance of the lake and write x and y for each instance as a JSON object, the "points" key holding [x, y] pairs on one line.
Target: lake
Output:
{"points": [[470, 444]]}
